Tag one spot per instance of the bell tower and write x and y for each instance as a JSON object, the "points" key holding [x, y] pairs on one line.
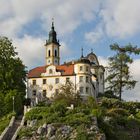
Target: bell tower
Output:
{"points": [[52, 48]]}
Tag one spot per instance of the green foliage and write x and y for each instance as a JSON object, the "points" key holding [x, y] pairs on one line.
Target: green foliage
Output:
{"points": [[37, 113], [9, 101], [131, 107], [118, 120], [68, 94], [97, 112], [4, 121], [81, 133], [12, 77], [2, 104], [108, 94], [117, 112], [91, 102], [59, 107], [25, 132], [138, 115], [12, 70], [119, 75]]}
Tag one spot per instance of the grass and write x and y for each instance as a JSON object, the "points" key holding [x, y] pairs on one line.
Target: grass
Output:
{"points": [[4, 121]]}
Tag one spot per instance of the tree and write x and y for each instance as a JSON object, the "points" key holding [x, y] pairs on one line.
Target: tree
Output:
{"points": [[68, 94], [1, 104], [12, 77], [119, 74], [12, 70]]}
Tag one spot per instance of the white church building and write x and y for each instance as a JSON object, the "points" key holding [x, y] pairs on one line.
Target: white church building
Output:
{"points": [[85, 73]]}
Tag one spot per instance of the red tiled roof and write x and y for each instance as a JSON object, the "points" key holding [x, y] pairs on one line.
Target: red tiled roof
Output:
{"points": [[36, 72], [64, 69]]}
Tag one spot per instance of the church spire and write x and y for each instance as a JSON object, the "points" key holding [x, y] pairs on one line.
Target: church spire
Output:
{"points": [[52, 48], [52, 35]]}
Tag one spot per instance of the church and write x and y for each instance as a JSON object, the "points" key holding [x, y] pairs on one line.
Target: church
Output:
{"points": [[86, 74]]}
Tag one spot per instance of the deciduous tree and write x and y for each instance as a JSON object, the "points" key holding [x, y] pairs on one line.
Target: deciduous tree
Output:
{"points": [[12, 70]]}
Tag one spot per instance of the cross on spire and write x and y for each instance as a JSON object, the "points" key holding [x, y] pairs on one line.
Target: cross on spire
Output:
{"points": [[82, 52], [91, 50], [52, 23]]}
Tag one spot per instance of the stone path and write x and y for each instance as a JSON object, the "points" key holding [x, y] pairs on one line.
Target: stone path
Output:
{"points": [[13, 129]]}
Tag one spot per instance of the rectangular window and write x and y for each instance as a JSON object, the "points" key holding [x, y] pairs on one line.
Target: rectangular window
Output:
{"points": [[44, 81], [87, 79], [67, 79], [56, 80], [34, 82], [81, 89], [87, 90], [81, 68], [56, 91], [44, 93], [34, 92], [87, 68], [81, 79], [101, 76]]}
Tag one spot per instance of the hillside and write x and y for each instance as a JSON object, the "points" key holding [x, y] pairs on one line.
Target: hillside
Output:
{"points": [[111, 119], [55, 121]]}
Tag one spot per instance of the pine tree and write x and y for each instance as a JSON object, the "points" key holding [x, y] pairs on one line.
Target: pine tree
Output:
{"points": [[119, 74]]}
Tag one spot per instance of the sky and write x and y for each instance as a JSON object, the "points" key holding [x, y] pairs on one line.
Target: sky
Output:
{"points": [[87, 24]]}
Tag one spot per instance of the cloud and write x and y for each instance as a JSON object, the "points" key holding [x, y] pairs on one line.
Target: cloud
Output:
{"points": [[68, 15], [30, 50], [103, 61], [94, 36], [72, 14], [120, 18], [65, 51], [135, 72]]}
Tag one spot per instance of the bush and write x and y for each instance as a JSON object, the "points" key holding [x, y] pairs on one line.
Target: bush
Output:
{"points": [[138, 115], [116, 112], [37, 113], [81, 133], [59, 107], [25, 132]]}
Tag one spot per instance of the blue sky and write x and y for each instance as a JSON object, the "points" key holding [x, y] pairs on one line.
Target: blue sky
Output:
{"points": [[79, 23]]}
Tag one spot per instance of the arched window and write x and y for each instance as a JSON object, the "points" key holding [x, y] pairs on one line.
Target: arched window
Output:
{"points": [[55, 53], [50, 71], [49, 53]]}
